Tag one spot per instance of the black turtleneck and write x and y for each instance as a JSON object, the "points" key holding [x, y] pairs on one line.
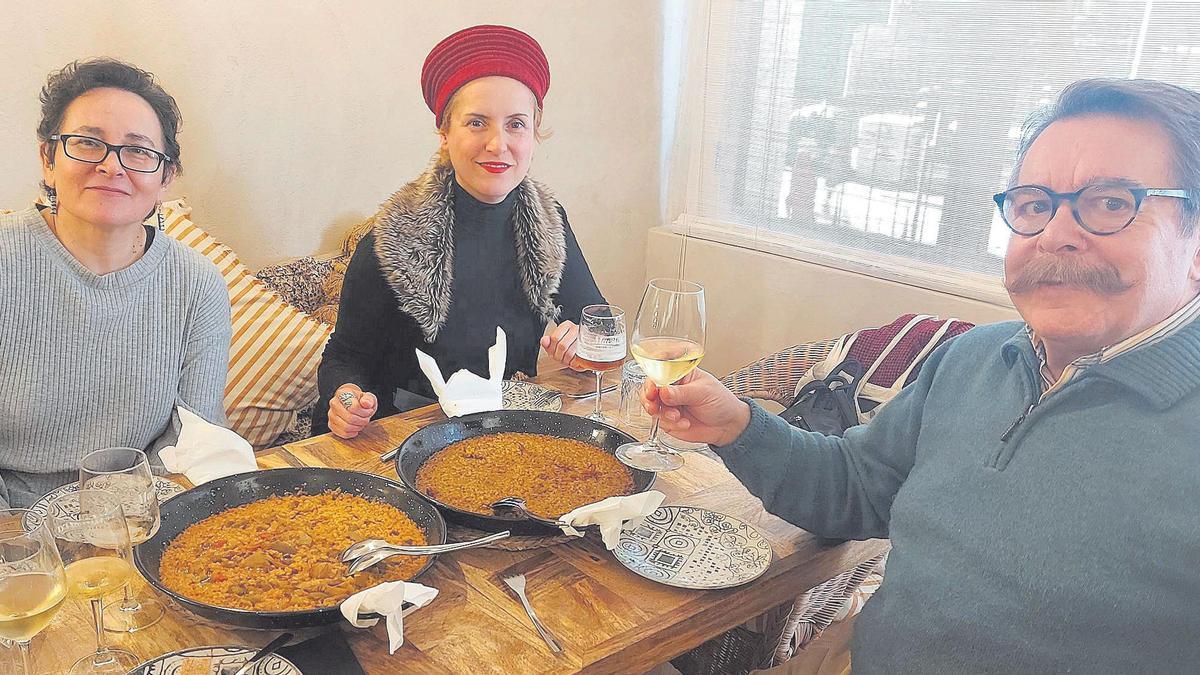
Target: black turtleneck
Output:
{"points": [[373, 343]]}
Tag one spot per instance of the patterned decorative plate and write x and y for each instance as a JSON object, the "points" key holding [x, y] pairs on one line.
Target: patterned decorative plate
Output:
{"points": [[225, 656], [530, 396], [691, 547], [165, 488]]}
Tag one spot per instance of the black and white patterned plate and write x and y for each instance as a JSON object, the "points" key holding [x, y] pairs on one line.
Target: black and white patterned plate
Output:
{"points": [[225, 656], [530, 396], [691, 547], [164, 487]]}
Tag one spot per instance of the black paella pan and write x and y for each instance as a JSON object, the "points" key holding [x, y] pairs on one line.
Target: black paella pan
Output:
{"points": [[192, 506], [430, 440]]}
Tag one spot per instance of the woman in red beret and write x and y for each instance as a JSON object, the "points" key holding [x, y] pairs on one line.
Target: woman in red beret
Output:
{"points": [[471, 244]]}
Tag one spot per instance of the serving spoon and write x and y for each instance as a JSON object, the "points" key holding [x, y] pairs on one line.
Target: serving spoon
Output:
{"points": [[371, 552], [517, 505]]}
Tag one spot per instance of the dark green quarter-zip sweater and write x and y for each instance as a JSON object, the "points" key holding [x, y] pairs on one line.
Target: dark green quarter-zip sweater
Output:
{"points": [[1062, 538]]}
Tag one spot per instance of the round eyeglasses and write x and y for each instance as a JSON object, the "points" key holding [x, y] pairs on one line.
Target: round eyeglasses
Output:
{"points": [[1101, 209], [94, 151]]}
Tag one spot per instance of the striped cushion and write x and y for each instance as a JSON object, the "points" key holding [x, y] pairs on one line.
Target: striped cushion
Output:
{"points": [[275, 350]]}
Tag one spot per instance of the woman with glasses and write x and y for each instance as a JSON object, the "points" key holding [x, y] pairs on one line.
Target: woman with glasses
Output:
{"points": [[106, 324], [471, 244]]}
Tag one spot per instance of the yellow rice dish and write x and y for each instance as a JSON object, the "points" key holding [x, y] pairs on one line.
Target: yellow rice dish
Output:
{"points": [[553, 475], [282, 553]]}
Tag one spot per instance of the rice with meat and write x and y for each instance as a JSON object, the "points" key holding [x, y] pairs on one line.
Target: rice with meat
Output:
{"points": [[553, 475], [282, 553]]}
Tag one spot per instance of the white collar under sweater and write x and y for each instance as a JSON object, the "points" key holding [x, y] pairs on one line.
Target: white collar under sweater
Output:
{"points": [[1168, 326]]}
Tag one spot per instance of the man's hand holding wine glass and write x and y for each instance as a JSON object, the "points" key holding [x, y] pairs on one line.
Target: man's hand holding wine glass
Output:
{"points": [[668, 343], [697, 408]]}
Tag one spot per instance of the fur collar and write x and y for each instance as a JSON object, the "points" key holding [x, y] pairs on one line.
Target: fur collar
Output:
{"points": [[414, 241]]}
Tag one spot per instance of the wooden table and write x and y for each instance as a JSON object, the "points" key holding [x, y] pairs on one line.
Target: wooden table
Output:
{"points": [[608, 618]]}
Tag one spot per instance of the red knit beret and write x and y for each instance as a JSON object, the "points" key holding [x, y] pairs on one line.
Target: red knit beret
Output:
{"points": [[481, 51]]}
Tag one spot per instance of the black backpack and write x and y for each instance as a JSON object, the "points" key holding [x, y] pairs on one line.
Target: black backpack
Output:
{"points": [[827, 405]]}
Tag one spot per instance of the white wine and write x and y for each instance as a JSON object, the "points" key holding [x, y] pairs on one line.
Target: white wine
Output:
{"points": [[666, 360], [91, 578], [28, 602]]}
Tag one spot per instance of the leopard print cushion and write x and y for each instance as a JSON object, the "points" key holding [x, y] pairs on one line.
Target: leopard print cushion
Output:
{"points": [[299, 282]]}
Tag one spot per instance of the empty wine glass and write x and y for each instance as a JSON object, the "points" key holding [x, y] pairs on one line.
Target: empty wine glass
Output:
{"points": [[91, 535], [668, 343], [32, 582], [601, 345], [125, 472]]}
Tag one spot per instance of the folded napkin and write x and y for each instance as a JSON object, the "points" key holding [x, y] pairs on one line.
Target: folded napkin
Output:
{"points": [[465, 392], [613, 515], [387, 599], [204, 451]]}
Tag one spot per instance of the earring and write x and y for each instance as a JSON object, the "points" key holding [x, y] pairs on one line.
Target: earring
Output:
{"points": [[52, 197], [158, 211]]}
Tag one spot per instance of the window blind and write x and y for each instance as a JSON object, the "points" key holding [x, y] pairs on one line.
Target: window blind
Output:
{"points": [[879, 129]]}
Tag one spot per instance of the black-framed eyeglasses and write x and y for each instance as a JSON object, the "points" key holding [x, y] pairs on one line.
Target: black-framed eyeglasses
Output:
{"points": [[1102, 209], [94, 151]]}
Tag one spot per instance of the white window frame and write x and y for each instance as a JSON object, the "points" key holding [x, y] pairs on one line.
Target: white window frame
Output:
{"points": [[907, 271]]}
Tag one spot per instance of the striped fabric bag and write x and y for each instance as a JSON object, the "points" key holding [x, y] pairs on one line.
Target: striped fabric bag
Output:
{"points": [[275, 348]]}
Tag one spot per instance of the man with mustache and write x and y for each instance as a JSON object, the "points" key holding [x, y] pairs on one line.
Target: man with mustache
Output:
{"points": [[1040, 480]]}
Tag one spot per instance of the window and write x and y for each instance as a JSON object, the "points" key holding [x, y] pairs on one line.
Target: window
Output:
{"points": [[872, 133]]}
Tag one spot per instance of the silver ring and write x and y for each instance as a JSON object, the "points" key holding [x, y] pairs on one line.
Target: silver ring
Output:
{"points": [[347, 399]]}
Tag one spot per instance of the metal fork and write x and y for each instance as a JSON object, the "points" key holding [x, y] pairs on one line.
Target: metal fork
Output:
{"points": [[517, 583], [545, 398], [589, 394]]}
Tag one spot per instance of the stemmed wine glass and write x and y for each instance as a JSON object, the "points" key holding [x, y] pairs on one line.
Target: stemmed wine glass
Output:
{"points": [[668, 343], [601, 345], [32, 583], [90, 531], [125, 472]]}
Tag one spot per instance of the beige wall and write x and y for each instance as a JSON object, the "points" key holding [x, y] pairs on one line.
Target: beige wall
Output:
{"points": [[759, 303], [301, 117]]}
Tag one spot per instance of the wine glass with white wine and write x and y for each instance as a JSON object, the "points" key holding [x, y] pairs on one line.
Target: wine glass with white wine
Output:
{"points": [[32, 583], [91, 535], [125, 472], [668, 343]]}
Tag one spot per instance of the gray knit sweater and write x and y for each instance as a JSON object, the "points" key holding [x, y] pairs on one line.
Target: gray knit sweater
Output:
{"points": [[91, 361]]}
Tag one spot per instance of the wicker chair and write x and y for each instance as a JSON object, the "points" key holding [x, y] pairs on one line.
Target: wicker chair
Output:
{"points": [[775, 637]]}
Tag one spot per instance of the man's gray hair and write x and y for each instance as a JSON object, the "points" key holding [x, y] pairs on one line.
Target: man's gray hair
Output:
{"points": [[1175, 109]]}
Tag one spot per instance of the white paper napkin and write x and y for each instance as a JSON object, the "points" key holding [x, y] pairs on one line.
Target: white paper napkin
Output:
{"points": [[205, 451], [387, 599], [465, 392], [613, 515]]}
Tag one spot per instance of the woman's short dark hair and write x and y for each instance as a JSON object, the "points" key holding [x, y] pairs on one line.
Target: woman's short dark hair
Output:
{"points": [[80, 77], [1176, 110]]}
